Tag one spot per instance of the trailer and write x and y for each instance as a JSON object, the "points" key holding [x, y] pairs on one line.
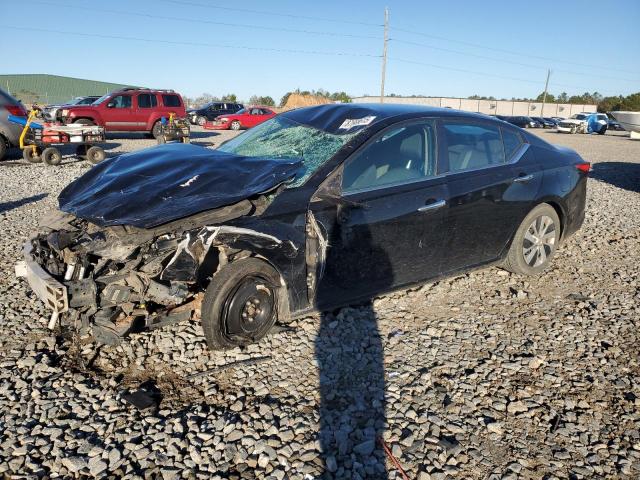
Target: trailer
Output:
{"points": [[39, 142]]}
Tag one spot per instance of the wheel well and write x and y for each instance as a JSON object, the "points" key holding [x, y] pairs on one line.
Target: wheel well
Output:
{"points": [[560, 213]]}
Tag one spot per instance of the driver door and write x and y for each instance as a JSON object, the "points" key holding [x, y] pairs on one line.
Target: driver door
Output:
{"points": [[120, 114], [384, 222]]}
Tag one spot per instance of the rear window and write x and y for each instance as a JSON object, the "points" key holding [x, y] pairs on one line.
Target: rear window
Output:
{"points": [[512, 142], [147, 100], [171, 100]]}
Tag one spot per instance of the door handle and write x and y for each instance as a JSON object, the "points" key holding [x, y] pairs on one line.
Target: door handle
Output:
{"points": [[433, 206], [523, 179]]}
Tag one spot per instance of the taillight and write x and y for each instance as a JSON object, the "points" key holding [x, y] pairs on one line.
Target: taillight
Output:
{"points": [[584, 167], [16, 110]]}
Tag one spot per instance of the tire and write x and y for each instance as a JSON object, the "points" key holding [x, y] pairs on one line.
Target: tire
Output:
{"points": [[51, 156], [84, 121], [161, 140], [95, 154], [603, 130], [155, 130], [573, 129], [235, 125], [28, 155], [246, 287], [3, 147], [186, 140], [524, 256], [201, 120]]}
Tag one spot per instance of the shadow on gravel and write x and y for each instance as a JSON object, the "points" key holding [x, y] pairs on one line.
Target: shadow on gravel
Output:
{"points": [[5, 207], [619, 174], [349, 352]]}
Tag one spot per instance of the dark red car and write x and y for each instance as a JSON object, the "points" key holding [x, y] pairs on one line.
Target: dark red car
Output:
{"points": [[246, 118], [128, 110]]}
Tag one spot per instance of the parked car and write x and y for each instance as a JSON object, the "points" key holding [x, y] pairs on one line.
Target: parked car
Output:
{"points": [[210, 111], [316, 208], [128, 110], [585, 122], [9, 131], [544, 122], [614, 125], [50, 112], [245, 118], [553, 120], [523, 122]]}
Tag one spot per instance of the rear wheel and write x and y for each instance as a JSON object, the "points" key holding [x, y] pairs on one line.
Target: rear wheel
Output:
{"points": [[3, 147], [51, 156], [156, 130], [241, 304], [95, 154], [235, 125], [535, 242]]}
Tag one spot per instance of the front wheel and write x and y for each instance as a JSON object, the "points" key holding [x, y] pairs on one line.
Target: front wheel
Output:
{"points": [[235, 125], [31, 155], [241, 304], [201, 120], [95, 155], [535, 242], [156, 131], [84, 121]]}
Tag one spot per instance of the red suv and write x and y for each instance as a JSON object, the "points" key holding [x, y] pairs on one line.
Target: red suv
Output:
{"points": [[128, 110]]}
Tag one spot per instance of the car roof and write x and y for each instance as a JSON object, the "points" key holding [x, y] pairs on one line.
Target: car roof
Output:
{"points": [[331, 117]]}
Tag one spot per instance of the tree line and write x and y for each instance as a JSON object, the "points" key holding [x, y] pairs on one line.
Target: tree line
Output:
{"points": [[266, 101]]}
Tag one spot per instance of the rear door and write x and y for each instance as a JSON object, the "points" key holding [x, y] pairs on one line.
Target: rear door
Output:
{"points": [[146, 107], [387, 228], [493, 180]]}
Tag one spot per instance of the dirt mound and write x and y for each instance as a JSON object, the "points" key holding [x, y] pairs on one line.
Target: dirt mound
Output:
{"points": [[297, 100]]}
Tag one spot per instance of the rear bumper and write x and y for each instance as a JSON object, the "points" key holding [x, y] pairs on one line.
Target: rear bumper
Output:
{"points": [[48, 289]]}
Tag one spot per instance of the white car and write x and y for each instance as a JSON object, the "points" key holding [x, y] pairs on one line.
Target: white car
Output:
{"points": [[584, 123]]}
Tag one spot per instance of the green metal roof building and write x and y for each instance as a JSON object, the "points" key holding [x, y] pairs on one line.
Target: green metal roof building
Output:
{"points": [[41, 88]]}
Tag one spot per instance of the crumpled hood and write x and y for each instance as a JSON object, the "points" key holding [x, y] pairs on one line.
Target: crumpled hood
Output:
{"points": [[157, 185]]}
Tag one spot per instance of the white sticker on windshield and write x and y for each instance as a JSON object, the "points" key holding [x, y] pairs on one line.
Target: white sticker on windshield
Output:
{"points": [[357, 122]]}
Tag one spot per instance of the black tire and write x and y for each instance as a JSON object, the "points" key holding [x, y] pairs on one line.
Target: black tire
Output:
{"points": [[84, 121], [230, 315], [29, 156], [51, 156], [516, 260], [201, 120], [95, 154], [3, 147], [235, 125], [186, 140], [156, 129], [603, 130]]}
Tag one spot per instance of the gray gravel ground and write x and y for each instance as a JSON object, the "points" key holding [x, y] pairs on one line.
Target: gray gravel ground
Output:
{"points": [[486, 375]]}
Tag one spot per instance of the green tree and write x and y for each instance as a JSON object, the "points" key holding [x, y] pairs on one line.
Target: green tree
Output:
{"points": [[229, 97], [550, 98], [266, 101], [563, 98], [340, 97]]}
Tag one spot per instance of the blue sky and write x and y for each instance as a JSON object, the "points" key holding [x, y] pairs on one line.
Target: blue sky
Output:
{"points": [[436, 47]]}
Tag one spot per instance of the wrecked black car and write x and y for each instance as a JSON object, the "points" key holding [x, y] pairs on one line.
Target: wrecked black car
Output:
{"points": [[316, 208]]}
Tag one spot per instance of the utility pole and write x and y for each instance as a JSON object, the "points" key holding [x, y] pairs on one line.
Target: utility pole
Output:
{"points": [[546, 87], [384, 52]]}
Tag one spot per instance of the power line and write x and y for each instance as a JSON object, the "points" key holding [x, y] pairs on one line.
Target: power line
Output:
{"points": [[511, 52], [485, 74], [263, 12], [513, 62], [204, 21], [194, 44]]}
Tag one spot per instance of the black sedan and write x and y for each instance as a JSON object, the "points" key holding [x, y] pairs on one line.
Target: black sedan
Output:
{"points": [[316, 208], [523, 122], [546, 123]]}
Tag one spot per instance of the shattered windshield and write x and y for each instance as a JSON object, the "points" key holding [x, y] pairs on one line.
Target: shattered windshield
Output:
{"points": [[280, 137]]}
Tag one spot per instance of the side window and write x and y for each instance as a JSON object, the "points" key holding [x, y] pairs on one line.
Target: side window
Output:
{"points": [[121, 101], [512, 141], [171, 100], [401, 154], [147, 100], [471, 146]]}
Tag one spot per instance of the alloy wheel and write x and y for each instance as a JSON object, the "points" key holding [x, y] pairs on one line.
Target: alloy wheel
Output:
{"points": [[540, 241]]}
